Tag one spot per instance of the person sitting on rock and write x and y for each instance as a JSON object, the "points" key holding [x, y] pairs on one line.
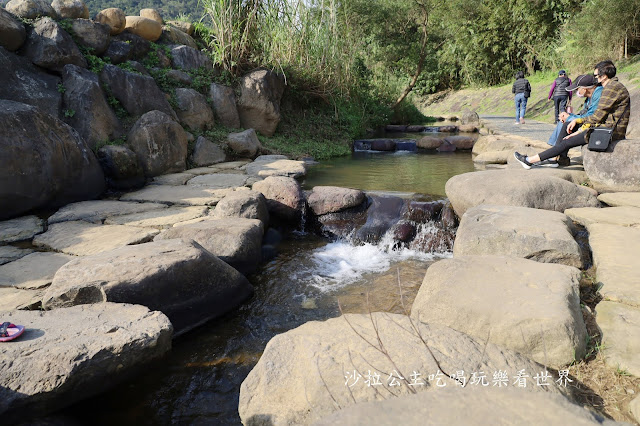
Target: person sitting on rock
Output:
{"points": [[614, 105], [587, 86]]}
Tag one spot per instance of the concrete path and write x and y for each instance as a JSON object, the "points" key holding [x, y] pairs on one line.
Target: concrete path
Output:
{"points": [[531, 129]]}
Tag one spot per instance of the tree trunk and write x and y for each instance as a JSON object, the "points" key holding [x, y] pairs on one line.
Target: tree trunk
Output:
{"points": [[423, 56]]}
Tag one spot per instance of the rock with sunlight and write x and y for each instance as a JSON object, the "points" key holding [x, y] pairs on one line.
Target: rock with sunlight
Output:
{"points": [[529, 307], [615, 170], [331, 199], [314, 370]]}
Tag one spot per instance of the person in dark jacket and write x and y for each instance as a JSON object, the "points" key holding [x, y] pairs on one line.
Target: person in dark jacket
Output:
{"points": [[560, 94], [522, 90]]}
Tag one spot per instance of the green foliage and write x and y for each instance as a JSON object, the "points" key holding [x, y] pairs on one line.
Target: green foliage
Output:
{"points": [[61, 88], [95, 63], [128, 67], [68, 113], [115, 104]]}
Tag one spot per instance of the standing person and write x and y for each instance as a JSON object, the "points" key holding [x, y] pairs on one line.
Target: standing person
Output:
{"points": [[522, 89], [560, 94], [614, 107]]}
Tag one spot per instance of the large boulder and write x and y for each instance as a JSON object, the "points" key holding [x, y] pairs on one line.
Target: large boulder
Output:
{"points": [[137, 93], [43, 162], [538, 313], [244, 144], [284, 197], [93, 35], [173, 35], [357, 358], [524, 188], [461, 142], [151, 14], [494, 143], [50, 47], [184, 26], [615, 170], [121, 167], [540, 235], [429, 142], [70, 9], [471, 406], [206, 153], [118, 52], [113, 17], [30, 9], [259, 103], [383, 213], [188, 58], [236, 241], [178, 277], [140, 47], [243, 204], [146, 28], [331, 199], [12, 31], [469, 117], [92, 118], [223, 99], [160, 144], [193, 110], [24, 82], [67, 355]]}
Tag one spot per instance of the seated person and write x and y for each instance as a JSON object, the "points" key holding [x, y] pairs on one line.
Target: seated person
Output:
{"points": [[614, 104], [587, 86]]}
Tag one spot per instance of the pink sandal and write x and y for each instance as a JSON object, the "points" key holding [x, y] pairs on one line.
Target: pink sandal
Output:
{"points": [[10, 331]]}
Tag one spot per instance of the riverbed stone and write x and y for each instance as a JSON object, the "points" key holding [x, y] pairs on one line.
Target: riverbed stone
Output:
{"points": [[620, 325], [235, 241], [174, 179], [494, 143], [182, 195], [259, 102], [307, 366], [331, 199], [12, 31], [616, 250], [540, 235], [243, 204], [207, 153], [223, 99], [83, 239], [245, 143], [429, 142], [276, 165], [615, 170], [524, 188], [159, 219], [33, 271], [218, 181], [50, 47], [461, 142], [538, 314], [492, 157], [382, 214], [178, 277], [113, 17], [71, 354], [621, 199], [30, 9], [97, 211], [13, 299], [480, 405], [21, 228], [284, 197], [11, 253], [620, 216]]}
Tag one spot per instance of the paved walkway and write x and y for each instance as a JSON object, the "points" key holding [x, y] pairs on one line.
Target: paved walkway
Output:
{"points": [[531, 129]]}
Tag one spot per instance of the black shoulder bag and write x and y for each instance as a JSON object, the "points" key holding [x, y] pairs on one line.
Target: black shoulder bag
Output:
{"points": [[600, 137]]}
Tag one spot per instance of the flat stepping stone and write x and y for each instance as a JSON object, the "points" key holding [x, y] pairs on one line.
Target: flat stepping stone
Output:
{"points": [[182, 195], [19, 229], [620, 216], [11, 253], [620, 325], [33, 271], [618, 199], [232, 165], [271, 165], [12, 299], [529, 307], [98, 210], [218, 181], [540, 235], [236, 241], [159, 219], [82, 239], [616, 251], [180, 278], [521, 188], [175, 179], [70, 354], [492, 157], [202, 171]]}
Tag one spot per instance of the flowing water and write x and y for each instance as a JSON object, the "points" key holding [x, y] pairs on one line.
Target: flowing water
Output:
{"points": [[312, 278]]}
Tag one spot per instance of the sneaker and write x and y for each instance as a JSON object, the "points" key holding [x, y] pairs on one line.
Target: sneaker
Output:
{"points": [[516, 123], [548, 163], [522, 159], [564, 161], [522, 121]]}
